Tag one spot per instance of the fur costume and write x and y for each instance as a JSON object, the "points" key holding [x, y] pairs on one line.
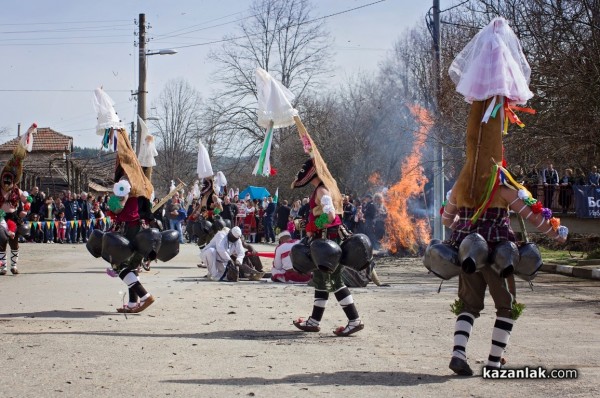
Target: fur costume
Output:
{"points": [[10, 202], [128, 162], [492, 73], [321, 166]]}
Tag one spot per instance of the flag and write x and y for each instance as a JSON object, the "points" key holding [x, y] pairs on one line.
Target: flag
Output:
{"points": [[203, 167], [147, 151], [263, 165], [276, 197]]}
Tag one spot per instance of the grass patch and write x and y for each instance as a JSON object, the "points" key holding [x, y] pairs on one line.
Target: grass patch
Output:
{"points": [[564, 257]]}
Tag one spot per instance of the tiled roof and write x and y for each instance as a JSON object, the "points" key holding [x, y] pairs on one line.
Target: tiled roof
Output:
{"points": [[46, 139]]}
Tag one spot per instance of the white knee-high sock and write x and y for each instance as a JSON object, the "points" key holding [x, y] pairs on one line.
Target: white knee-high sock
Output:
{"points": [[462, 332], [500, 336]]}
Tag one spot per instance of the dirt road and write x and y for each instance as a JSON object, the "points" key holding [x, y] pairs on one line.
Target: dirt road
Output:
{"points": [[61, 337]]}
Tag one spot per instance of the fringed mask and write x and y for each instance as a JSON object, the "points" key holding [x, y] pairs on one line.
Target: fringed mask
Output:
{"points": [[207, 186], [305, 175], [8, 180]]}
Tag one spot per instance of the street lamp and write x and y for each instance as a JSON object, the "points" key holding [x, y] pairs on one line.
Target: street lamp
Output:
{"points": [[142, 75]]}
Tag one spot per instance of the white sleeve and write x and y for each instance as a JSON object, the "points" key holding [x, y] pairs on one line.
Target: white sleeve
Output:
{"points": [[222, 249], [238, 250], [327, 204]]}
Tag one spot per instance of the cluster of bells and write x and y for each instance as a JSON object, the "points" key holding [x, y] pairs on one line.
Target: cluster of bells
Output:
{"points": [[446, 262], [325, 255], [22, 230], [151, 243]]}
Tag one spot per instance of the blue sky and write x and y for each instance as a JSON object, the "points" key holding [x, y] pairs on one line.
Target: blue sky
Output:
{"points": [[54, 53]]}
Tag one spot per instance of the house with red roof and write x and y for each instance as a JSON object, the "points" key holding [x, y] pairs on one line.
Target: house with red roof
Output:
{"points": [[52, 166]]}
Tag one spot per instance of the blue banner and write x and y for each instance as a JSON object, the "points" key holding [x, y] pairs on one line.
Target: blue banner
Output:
{"points": [[587, 201]]}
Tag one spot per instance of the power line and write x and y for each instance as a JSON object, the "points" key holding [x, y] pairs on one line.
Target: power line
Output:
{"points": [[62, 23], [200, 24], [298, 24], [58, 91], [58, 38], [82, 29]]}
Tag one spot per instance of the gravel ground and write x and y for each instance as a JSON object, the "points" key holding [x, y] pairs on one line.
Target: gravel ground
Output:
{"points": [[61, 335]]}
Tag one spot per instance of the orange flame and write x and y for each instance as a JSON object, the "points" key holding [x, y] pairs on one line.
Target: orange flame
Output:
{"points": [[403, 230]]}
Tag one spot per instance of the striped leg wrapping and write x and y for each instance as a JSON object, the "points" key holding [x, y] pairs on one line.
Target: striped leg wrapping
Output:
{"points": [[462, 332], [136, 290], [500, 336], [321, 297], [345, 299], [14, 258]]}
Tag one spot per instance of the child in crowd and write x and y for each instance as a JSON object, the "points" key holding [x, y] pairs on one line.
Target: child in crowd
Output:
{"points": [[61, 226]]}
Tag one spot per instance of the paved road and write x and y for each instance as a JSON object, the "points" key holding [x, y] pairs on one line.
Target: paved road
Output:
{"points": [[61, 337]]}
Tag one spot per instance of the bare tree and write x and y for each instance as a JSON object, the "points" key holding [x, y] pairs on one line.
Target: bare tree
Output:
{"points": [[177, 110], [280, 38], [561, 41]]}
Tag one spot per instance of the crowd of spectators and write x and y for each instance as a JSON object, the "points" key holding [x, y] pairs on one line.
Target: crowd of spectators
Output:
{"points": [[261, 220], [554, 188], [63, 218]]}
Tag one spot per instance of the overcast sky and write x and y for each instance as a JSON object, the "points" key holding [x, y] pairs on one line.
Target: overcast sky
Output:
{"points": [[54, 53]]}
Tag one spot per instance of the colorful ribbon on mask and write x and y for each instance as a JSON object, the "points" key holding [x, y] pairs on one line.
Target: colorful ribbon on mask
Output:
{"points": [[511, 116], [499, 176]]}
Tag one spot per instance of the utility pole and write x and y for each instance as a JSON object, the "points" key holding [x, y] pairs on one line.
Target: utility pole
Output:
{"points": [[438, 155], [142, 79]]}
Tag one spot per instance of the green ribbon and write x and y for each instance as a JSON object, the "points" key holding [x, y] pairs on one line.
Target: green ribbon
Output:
{"points": [[263, 153]]}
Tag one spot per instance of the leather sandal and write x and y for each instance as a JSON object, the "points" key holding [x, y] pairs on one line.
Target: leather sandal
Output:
{"points": [[304, 325], [344, 331], [143, 305], [126, 309]]}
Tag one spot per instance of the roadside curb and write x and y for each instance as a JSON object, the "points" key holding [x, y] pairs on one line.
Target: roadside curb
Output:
{"points": [[569, 270]]}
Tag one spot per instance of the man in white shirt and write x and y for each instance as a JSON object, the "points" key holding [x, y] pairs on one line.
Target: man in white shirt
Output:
{"points": [[220, 250], [282, 270]]}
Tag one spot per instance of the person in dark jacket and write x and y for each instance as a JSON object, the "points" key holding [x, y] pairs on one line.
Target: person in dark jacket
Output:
{"points": [[71, 215], [283, 215], [83, 214], [230, 210], [268, 221]]}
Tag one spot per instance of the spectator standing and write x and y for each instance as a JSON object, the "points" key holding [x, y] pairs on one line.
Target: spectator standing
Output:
{"points": [[532, 180], [38, 200], [295, 209], [283, 216], [580, 178], [230, 210], [269, 212], [173, 211], [71, 216], [566, 190], [359, 218], [250, 221], [304, 210], [550, 180], [97, 217], [594, 177], [379, 220], [369, 213], [61, 226], [518, 174], [349, 213], [83, 216]]}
